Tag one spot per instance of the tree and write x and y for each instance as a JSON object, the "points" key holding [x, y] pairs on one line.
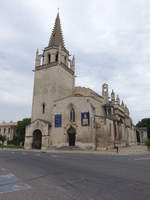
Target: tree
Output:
{"points": [[19, 136], [138, 137], [2, 139], [145, 123]]}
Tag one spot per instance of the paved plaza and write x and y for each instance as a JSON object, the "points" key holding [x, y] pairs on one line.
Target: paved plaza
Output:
{"points": [[37, 175]]}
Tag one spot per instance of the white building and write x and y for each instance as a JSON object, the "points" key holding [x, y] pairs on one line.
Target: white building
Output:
{"points": [[8, 129]]}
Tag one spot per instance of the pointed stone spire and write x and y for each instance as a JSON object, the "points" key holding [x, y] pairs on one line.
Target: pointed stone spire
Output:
{"points": [[113, 97], [122, 104], [118, 100], [126, 110], [56, 38], [73, 60], [37, 51], [37, 59]]}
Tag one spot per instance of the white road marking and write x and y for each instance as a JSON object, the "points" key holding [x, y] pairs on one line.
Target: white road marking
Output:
{"points": [[3, 169], [38, 154], [10, 183], [18, 188], [24, 153], [7, 176], [148, 158], [55, 156]]}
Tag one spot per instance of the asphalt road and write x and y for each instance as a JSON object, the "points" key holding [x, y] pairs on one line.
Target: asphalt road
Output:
{"points": [[62, 176]]}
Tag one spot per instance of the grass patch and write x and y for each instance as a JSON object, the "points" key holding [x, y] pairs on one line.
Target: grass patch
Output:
{"points": [[10, 146]]}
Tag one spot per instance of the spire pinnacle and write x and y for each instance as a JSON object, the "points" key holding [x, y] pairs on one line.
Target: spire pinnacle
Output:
{"points": [[73, 60], [118, 99], [37, 51], [112, 92], [122, 104], [113, 97], [56, 38]]}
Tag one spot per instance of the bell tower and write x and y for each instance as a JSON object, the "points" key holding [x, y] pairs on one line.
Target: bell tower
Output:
{"points": [[54, 75], [56, 52]]}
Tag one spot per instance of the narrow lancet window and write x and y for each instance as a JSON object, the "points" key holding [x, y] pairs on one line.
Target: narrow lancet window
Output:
{"points": [[57, 57], [72, 115], [43, 108], [49, 58], [66, 60]]}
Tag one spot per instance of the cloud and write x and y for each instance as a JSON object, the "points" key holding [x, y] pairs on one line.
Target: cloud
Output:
{"points": [[110, 39], [15, 87]]}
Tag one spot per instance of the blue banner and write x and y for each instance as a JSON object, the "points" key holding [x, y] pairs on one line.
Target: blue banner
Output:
{"points": [[58, 121], [85, 119]]}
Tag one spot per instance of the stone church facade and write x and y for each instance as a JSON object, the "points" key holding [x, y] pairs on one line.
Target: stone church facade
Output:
{"points": [[66, 115]]}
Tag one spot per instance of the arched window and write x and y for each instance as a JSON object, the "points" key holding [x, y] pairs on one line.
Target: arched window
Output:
{"points": [[72, 115], [56, 57], [49, 58], [43, 108]]}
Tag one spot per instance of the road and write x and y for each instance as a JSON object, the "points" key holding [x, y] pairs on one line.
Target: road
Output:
{"points": [[73, 176]]}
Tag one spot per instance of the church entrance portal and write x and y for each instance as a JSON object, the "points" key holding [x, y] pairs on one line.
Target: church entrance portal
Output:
{"points": [[37, 139], [71, 136]]}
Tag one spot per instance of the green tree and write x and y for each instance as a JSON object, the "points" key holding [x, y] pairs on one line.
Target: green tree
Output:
{"points": [[138, 137], [145, 123], [2, 139], [19, 136]]}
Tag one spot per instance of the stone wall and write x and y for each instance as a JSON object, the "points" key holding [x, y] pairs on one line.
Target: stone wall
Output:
{"points": [[44, 127], [50, 84], [85, 134]]}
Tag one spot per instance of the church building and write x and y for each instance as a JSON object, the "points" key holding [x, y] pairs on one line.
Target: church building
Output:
{"points": [[66, 115]]}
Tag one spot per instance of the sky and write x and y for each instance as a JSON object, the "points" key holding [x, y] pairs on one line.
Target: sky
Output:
{"points": [[109, 38]]}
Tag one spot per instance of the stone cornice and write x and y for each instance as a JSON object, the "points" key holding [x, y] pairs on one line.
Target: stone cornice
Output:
{"points": [[53, 64], [45, 121], [74, 96]]}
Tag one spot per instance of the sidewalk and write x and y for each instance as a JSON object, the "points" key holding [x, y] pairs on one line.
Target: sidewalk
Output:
{"points": [[132, 150]]}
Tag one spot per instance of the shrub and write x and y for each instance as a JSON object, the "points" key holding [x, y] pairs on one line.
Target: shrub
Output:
{"points": [[147, 142]]}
